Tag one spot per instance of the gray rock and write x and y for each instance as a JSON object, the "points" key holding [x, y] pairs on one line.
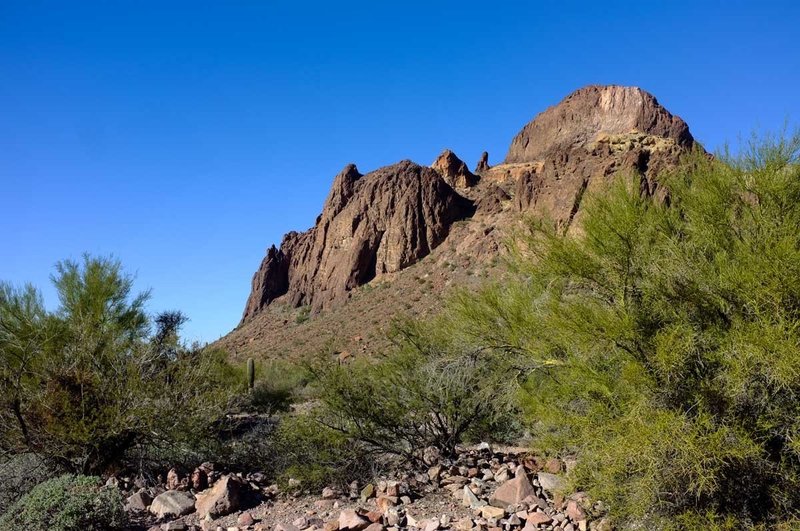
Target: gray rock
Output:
{"points": [[551, 482], [138, 501], [469, 499], [172, 503]]}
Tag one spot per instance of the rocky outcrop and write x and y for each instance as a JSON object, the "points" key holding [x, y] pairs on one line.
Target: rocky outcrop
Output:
{"points": [[453, 170], [370, 225], [578, 120], [270, 282], [580, 144], [389, 219], [483, 163]]}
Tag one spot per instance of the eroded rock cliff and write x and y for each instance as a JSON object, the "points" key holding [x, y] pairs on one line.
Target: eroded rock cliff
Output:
{"points": [[370, 224], [388, 220]]}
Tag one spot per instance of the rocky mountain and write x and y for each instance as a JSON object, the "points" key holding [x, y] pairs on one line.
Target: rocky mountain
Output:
{"points": [[370, 225], [415, 231]]}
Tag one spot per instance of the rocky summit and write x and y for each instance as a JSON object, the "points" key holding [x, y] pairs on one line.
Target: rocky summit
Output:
{"points": [[444, 225]]}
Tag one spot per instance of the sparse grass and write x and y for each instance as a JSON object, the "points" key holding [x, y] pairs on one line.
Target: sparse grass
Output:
{"points": [[303, 315]]}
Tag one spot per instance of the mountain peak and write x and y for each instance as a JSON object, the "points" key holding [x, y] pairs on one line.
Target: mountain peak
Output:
{"points": [[592, 112]]}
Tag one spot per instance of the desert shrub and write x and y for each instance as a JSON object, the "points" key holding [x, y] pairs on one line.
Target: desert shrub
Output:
{"points": [[20, 474], [85, 384], [303, 315], [663, 341], [433, 391], [317, 456], [278, 384], [67, 503]]}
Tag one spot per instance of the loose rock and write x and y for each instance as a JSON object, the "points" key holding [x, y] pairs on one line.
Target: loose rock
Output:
{"points": [[172, 503]]}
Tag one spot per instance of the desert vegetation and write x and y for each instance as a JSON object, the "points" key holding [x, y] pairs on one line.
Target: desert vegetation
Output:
{"points": [[663, 342], [657, 348]]}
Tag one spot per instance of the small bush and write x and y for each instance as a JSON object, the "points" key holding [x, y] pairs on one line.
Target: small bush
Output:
{"points": [[67, 503], [318, 456], [303, 315], [278, 385], [20, 474], [433, 391]]}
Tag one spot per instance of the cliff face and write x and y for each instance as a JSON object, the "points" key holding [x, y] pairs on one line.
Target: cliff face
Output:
{"points": [[388, 220], [370, 225]]}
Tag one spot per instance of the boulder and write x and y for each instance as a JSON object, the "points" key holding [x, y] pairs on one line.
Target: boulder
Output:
{"points": [[172, 504], [139, 501], [469, 499], [223, 498], [488, 511], [245, 519], [464, 524], [199, 480], [367, 492], [575, 509], [512, 491], [551, 483], [538, 518], [349, 520], [173, 479]]}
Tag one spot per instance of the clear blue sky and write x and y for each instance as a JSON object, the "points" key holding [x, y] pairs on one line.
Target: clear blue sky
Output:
{"points": [[186, 137]]}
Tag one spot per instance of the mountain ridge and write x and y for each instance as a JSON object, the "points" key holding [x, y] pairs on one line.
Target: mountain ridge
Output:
{"points": [[376, 227]]}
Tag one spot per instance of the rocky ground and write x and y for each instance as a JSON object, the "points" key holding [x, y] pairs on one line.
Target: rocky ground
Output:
{"points": [[482, 489]]}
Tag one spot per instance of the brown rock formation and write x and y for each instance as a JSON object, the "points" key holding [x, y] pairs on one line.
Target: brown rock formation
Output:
{"points": [[389, 219], [581, 143], [453, 170], [270, 281], [483, 163], [370, 224], [591, 111]]}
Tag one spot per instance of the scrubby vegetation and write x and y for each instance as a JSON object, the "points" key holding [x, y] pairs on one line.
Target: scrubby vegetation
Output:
{"points": [[658, 344], [664, 342], [431, 392], [67, 503], [87, 385]]}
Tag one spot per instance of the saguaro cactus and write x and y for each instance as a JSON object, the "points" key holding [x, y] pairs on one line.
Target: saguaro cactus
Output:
{"points": [[251, 373]]}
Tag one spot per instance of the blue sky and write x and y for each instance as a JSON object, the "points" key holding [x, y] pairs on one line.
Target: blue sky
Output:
{"points": [[186, 137]]}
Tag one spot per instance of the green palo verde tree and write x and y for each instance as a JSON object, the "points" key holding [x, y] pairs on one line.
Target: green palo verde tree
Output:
{"points": [[83, 385], [430, 391], [663, 342]]}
